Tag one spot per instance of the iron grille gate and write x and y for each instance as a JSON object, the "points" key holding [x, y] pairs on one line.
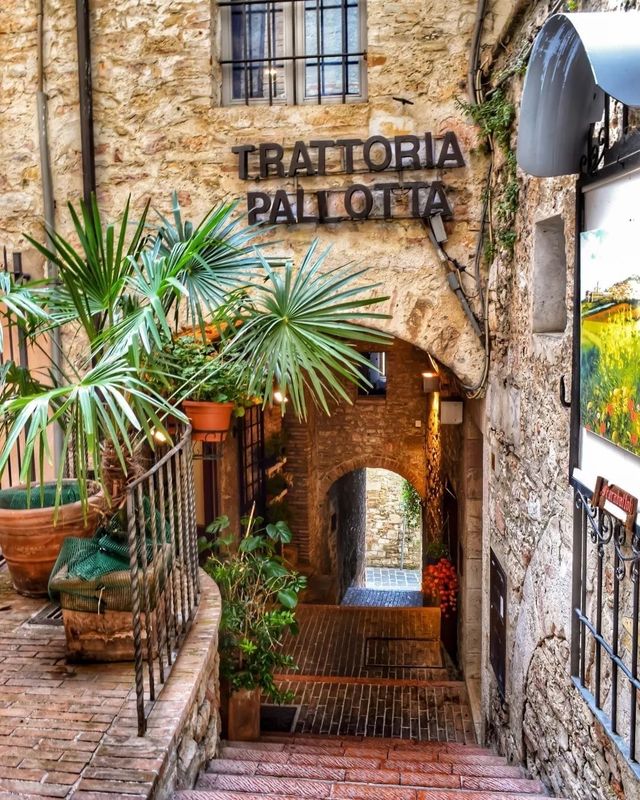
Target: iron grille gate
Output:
{"points": [[606, 604], [163, 559]]}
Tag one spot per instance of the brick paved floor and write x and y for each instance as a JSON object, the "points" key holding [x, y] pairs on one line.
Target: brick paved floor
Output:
{"points": [[70, 730], [384, 578], [52, 714], [375, 672]]}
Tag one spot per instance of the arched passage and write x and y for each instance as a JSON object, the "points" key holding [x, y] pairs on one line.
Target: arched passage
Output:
{"points": [[371, 520]]}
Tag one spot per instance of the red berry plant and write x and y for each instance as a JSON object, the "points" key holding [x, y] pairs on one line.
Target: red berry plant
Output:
{"points": [[441, 581]]}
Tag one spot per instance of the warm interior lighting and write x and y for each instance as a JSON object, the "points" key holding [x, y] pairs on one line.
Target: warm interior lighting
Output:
{"points": [[279, 397], [160, 437]]}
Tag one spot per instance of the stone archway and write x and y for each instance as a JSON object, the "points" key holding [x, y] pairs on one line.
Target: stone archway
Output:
{"points": [[380, 462]]}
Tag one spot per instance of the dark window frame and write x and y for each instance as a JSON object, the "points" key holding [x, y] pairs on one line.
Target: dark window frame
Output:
{"points": [[243, 75], [376, 392]]}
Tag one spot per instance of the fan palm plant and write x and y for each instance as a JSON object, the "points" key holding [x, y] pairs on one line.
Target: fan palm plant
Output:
{"points": [[120, 294]]}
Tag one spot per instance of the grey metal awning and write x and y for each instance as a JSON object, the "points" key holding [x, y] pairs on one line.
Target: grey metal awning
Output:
{"points": [[576, 59]]}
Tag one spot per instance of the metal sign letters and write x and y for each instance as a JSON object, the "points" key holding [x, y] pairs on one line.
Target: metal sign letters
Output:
{"points": [[360, 201]]}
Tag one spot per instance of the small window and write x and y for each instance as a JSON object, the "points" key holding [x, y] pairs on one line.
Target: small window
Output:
{"points": [[376, 375], [294, 51], [549, 277]]}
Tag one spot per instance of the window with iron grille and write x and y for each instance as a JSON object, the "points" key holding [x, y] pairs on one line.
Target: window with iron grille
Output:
{"points": [[251, 462], [293, 51]]}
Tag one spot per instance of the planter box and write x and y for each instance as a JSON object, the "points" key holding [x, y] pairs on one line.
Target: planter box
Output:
{"points": [[101, 637]]}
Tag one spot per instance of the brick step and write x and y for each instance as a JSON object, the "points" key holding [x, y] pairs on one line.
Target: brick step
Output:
{"points": [[369, 759], [279, 741], [393, 783], [345, 792], [384, 772]]}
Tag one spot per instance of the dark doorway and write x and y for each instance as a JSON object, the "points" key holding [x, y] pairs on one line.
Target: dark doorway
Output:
{"points": [[451, 540]]}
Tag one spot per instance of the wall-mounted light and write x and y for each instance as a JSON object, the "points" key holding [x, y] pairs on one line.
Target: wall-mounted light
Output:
{"points": [[279, 397], [430, 382], [160, 437]]}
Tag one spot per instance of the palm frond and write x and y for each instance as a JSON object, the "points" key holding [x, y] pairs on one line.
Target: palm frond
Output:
{"points": [[217, 257], [299, 334], [108, 404], [92, 276]]}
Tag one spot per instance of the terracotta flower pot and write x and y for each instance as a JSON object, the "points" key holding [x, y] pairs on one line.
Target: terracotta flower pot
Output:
{"points": [[243, 715], [30, 539], [210, 421]]}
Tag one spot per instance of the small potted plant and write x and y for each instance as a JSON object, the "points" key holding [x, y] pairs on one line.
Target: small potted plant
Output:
{"points": [[440, 580], [211, 385], [259, 597]]}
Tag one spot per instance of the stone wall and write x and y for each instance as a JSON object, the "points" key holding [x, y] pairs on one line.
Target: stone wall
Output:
{"points": [[159, 126], [386, 526], [348, 511], [528, 508]]}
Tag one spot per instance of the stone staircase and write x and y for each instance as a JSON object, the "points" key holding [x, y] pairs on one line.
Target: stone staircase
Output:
{"points": [[324, 767]]}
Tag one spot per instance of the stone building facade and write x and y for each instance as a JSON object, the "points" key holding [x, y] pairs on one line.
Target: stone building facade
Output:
{"points": [[160, 125], [528, 501]]}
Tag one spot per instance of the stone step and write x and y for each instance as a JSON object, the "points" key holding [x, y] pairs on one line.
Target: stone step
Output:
{"points": [[325, 786], [386, 774], [363, 792], [348, 759], [280, 742]]}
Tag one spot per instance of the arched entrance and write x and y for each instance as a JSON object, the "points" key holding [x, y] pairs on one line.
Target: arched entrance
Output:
{"points": [[373, 518]]}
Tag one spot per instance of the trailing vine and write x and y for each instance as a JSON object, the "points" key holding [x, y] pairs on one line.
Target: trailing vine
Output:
{"points": [[411, 505], [495, 116]]}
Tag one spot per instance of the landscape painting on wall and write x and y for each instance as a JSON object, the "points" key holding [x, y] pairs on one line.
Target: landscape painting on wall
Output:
{"points": [[610, 337]]}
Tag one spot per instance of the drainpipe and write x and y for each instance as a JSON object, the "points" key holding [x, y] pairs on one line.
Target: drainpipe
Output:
{"points": [[83, 30], [49, 210]]}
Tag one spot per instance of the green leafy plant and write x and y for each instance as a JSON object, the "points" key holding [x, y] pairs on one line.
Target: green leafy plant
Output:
{"points": [[259, 597], [120, 295], [411, 505], [495, 118], [193, 369], [279, 511], [436, 549]]}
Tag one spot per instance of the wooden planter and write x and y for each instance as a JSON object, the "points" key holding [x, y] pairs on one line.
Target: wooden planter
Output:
{"points": [[31, 539], [210, 421]]}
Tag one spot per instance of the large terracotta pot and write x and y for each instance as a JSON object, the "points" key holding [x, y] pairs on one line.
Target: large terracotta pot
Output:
{"points": [[31, 541], [210, 421]]}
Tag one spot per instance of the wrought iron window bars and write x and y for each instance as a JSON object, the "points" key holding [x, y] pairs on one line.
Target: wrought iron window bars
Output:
{"points": [[292, 50]]}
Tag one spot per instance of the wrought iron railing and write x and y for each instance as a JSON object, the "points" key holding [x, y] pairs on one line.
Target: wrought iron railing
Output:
{"points": [[606, 604], [163, 559]]}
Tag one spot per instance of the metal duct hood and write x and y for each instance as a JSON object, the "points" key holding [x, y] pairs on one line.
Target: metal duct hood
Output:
{"points": [[576, 59]]}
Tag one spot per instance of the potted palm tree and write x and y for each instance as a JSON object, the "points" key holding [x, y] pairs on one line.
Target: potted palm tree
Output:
{"points": [[125, 291], [259, 596]]}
